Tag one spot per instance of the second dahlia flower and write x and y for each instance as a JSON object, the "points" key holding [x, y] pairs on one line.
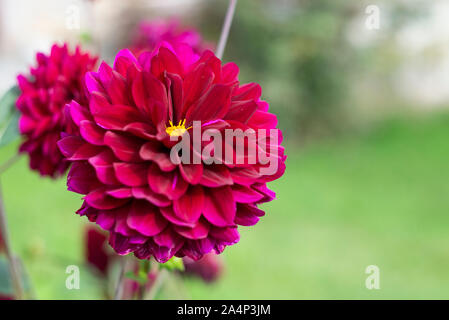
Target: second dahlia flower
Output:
{"points": [[96, 251], [136, 111], [209, 267], [150, 33], [54, 82]]}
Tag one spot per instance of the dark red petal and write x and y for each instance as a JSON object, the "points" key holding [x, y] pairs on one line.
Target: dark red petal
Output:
{"points": [[199, 231], [263, 120], [92, 82], [250, 91], [196, 83], [189, 207], [91, 132], [245, 176], [241, 111], [81, 178], [156, 152], [117, 89], [78, 113], [109, 116], [121, 244], [215, 176], [229, 236], [102, 164], [211, 106], [69, 144], [124, 148], [176, 95], [244, 194], [141, 130], [165, 60], [219, 206], [263, 189], [229, 72], [124, 60], [192, 173], [170, 215], [99, 199], [144, 218], [170, 184], [149, 195], [247, 215], [121, 193], [105, 219], [131, 174], [168, 239]]}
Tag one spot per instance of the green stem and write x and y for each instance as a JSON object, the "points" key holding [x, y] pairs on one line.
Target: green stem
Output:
{"points": [[13, 265], [157, 284], [8, 163], [119, 289], [225, 30]]}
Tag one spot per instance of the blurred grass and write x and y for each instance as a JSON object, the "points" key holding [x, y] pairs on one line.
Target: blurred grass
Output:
{"points": [[379, 198]]}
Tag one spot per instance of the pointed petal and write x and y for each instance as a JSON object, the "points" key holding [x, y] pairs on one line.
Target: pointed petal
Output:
{"points": [[144, 218], [124, 147], [190, 205], [131, 174], [219, 206]]}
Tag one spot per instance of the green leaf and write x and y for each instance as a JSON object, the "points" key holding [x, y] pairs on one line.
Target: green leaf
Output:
{"points": [[9, 116], [174, 263], [6, 286], [8, 104], [10, 131]]}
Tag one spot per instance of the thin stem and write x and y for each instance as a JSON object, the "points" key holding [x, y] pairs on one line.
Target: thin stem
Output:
{"points": [[157, 284], [13, 266], [225, 30], [119, 289], [5, 165]]}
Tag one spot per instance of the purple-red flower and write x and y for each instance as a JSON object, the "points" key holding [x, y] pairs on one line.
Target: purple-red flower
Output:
{"points": [[150, 33], [121, 160], [209, 267], [6, 297], [54, 82], [96, 252]]}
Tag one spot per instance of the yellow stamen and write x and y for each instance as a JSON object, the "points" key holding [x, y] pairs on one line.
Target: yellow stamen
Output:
{"points": [[178, 130]]}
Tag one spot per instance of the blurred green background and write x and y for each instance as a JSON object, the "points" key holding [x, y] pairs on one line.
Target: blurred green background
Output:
{"points": [[367, 169]]}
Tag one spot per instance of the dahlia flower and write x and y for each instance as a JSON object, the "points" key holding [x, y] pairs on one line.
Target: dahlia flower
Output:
{"points": [[96, 252], [209, 268], [150, 33], [6, 297], [137, 111], [54, 82]]}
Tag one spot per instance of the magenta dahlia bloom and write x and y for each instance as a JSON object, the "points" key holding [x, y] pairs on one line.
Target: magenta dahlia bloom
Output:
{"points": [[150, 33], [96, 252], [121, 161], [54, 82], [6, 297], [209, 267]]}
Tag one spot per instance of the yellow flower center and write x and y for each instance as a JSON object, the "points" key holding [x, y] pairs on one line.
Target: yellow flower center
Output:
{"points": [[178, 130]]}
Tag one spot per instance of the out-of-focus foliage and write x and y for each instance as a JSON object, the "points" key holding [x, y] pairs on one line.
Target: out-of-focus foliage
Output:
{"points": [[301, 54], [9, 116]]}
